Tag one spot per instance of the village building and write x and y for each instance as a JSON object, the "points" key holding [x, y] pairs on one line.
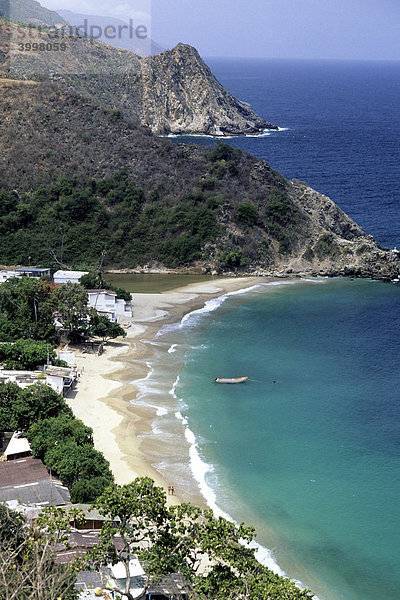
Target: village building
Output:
{"points": [[4, 275], [26, 481], [61, 277], [106, 303], [35, 272], [60, 379]]}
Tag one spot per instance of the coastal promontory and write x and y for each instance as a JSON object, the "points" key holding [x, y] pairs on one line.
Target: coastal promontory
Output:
{"points": [[86, 179], [174, 92]]}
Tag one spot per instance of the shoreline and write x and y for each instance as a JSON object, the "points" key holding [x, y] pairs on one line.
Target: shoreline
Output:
{"points": [[108, 384]]}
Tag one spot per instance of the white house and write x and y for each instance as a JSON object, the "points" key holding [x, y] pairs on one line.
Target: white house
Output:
{"points": [[35, 272], [4, 275], [59, 378], [68, 276], [106, 303]]}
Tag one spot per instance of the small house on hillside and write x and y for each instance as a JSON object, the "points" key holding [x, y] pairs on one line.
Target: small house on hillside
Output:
{"points": [[61, 277], [34, 272], [61, 379], [4, 275], [106, 303]]}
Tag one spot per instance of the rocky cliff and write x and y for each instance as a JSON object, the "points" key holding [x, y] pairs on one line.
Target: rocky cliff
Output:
{"points": [[148, 201], [173, 92]]}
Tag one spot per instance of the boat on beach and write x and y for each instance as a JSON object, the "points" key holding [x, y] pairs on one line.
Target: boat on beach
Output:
{"points": [[230, 379]]}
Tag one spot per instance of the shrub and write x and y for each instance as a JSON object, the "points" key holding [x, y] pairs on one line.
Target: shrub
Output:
{"points": [[246, 213], [224, 152]]}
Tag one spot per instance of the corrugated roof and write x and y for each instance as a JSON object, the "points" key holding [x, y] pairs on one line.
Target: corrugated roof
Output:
{"points": [[28, 481], [32, 269], [24, 470]]}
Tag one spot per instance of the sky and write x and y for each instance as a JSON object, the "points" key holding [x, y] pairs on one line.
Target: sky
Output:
{"points": [[330, 29]]}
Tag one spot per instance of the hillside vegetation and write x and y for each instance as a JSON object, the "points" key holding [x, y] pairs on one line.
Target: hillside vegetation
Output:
{"points": [[80, 180]]}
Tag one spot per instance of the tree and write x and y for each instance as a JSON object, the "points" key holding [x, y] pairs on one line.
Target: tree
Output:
{"points": [[183, 539], [9, 394], [246, 213], [28, 568], [137, 513], [25, 354], [26, 310], [35, 402], [47, 433], [72, 463], [101, 326], [12, 525], [72, 303]]}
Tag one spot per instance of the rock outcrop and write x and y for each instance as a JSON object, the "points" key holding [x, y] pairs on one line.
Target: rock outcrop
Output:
{"points": [[181, 95], [173, 92]]}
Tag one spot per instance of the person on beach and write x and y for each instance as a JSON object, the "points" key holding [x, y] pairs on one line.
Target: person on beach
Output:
{"points": [[172, 490]]}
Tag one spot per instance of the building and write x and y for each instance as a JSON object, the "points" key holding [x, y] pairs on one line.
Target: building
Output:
{"points": [[4, 275], [34, 272], [61, 277], [60, 379], [26, 481], [106, 303], [18, 447]]}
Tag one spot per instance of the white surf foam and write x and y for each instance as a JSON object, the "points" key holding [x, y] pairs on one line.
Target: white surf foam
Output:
{"points": [[200, 469], [215, 303], [263, 134]]}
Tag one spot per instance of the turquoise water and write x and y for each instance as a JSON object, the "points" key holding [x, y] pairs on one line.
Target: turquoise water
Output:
{"points": [[312, 459]]}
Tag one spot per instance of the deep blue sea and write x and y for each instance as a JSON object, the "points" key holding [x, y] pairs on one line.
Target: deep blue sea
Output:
{"points": [[342, 130], [308, 450]]}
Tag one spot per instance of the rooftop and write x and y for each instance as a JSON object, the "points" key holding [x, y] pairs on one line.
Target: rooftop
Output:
{"points": [[32, 269], [28, 481], [58, 371], [73, 274], [109, 292], [17, 445]]}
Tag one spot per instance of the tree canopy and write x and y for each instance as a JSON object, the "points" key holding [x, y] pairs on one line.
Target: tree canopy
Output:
{"points": [[184, 538], [26, 354], [101, 326], [25, 310]]}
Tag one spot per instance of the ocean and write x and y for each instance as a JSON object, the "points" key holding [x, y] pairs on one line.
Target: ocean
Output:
{"points": [[308, 450]]}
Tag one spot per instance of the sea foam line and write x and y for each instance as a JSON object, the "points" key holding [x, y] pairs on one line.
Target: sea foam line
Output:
{"points": [[200, 469], [215, 303]]}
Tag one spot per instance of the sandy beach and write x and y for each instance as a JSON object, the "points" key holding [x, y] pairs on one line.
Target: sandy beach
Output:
{"points": [[104, 397]]}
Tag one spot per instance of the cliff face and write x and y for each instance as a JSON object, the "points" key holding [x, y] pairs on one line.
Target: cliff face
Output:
{"points": [[175, 205], [180, 94], [174, 92]]}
